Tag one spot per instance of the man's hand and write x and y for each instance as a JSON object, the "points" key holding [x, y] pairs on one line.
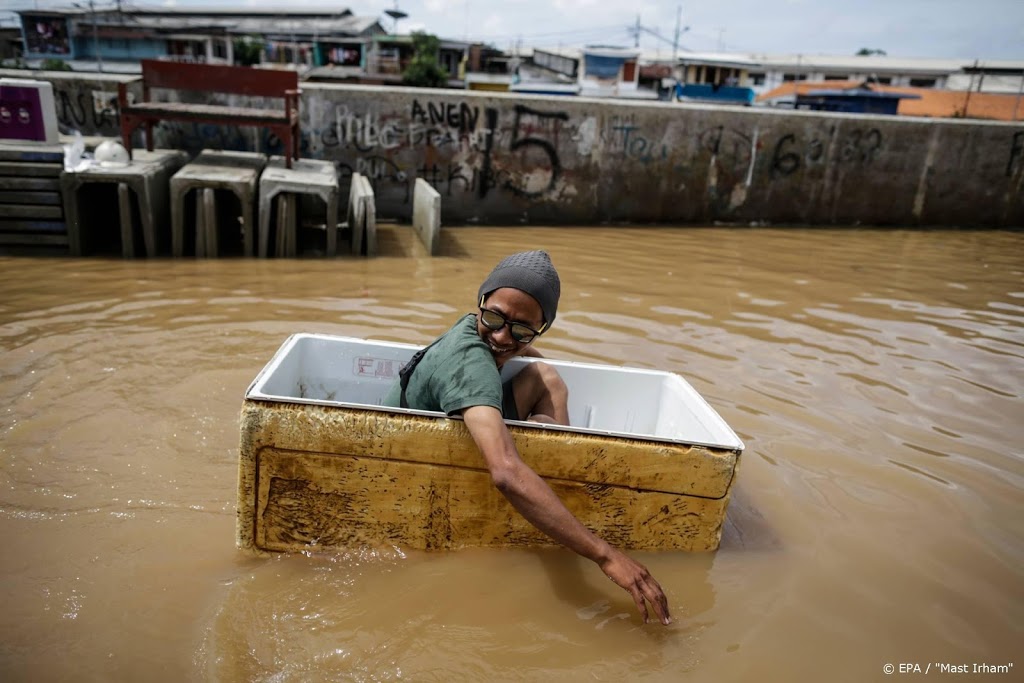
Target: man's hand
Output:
{"points": [[638, 582], [535, 501]]}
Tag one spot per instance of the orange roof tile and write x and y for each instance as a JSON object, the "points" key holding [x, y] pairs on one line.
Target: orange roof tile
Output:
{"points": [[937, 103]]}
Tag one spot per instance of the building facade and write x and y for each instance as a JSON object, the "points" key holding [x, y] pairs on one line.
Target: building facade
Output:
{"points": [[115, 40]]}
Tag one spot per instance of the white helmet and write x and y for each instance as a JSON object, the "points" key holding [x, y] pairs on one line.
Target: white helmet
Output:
{"points": [[111, 153]]}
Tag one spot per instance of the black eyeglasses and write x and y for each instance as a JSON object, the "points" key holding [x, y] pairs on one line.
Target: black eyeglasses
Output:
{"points": [[494, 321]]}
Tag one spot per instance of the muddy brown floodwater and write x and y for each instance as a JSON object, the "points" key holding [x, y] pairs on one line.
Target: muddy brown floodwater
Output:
{"points": [[875, 376]]}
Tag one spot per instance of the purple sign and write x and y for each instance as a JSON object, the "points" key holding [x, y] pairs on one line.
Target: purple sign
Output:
{"points": [[21, 114]]}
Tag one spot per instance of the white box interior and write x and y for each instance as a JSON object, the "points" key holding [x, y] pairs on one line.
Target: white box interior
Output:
{"points": [[603, 399]]}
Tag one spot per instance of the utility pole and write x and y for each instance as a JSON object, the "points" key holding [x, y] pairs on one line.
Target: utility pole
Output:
{"points": [[95, 37], [675, 43], [796, 79], [637, 28], [1020, 90], [970, 87]]}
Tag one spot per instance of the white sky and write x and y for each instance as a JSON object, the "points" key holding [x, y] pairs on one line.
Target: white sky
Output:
{"points": [[967, 29]]}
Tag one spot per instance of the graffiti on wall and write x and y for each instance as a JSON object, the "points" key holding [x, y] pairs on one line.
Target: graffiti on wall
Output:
{"points": [[384, 173], [462, 148], [465, 148], [436, 125], [533, 140], [625, 136], [93, 112], [195, 137], [730, 146], [457, 147], [856, 146], [460, 116]]}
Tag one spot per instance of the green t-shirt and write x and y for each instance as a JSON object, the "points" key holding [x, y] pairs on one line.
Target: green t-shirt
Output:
{"points": [[457, 372]]}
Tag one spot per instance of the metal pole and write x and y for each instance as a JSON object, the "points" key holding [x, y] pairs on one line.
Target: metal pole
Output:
{"points": [[95, 37], [796, 80], [1019, 91], [675, 43], [970, 87]]}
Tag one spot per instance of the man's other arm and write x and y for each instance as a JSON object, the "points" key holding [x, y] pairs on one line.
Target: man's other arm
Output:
{"points": [[535, 501]]}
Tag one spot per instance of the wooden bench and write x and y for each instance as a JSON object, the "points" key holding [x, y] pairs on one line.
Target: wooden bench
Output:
{"points": [[209, 78]]}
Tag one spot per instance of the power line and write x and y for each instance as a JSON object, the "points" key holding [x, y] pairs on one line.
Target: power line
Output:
{"points": [[590, 30], [603, 38], [596, 39]]}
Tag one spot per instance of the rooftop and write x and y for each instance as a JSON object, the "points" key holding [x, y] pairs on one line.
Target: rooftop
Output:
{"points": [[930, 102], [856, 63], [301, 23], [198, 11]]}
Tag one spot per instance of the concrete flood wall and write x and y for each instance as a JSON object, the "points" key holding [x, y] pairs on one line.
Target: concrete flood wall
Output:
{"points": [[497, 158]]}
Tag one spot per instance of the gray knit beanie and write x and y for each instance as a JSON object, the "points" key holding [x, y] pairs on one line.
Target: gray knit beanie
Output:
{"points": [[530, 272]]}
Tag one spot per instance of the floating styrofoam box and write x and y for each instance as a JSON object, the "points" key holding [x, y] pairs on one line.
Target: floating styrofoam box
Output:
{"points": [[646, 464]]}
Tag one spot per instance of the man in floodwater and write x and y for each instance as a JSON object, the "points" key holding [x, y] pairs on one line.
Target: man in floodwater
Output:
{"points": [[459, 375]]}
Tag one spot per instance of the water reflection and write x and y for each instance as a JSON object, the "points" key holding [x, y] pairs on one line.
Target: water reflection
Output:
{"points": [[480, 615]]}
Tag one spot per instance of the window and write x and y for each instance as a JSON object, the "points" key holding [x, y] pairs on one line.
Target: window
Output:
{"points": [[789, 78], [836, 77], [757, 79], [114, 44], [883, 80], [344, 55], [629, 72], [922, 82], [220, 49], [449, 62]]}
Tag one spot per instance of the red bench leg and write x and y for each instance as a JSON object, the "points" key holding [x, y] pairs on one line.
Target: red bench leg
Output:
{"points": [[127, 127]]}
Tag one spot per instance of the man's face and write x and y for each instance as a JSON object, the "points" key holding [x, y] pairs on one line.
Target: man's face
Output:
{"points": [[515, 306]]}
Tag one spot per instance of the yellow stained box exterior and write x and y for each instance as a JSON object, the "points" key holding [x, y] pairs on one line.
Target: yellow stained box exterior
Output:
{"points": [[340, 477]]}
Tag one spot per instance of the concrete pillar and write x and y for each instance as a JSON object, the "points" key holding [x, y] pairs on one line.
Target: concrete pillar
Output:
{"points": [[426, 215], [362, 216]]}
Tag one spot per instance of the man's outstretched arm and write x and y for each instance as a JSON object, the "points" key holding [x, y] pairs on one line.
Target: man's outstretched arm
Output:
{"points": [[535, 501]]}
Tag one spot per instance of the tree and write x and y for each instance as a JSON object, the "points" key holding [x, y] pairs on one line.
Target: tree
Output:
{"points": [[423, 70], [248, 50], [867, 52], [51, 64]]}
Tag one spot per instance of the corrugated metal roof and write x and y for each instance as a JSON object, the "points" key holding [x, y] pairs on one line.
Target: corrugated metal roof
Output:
{"points": [[851, 63], [302, 27], [860, 92], [861, 63], [238, 10], [239, 22], [567, 52], [932, 103]]}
